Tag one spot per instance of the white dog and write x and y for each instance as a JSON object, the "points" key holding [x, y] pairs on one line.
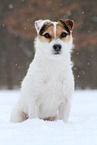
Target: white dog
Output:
{"points": [[47, 88]]}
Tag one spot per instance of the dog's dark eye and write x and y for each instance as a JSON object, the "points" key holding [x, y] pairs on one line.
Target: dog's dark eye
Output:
{"points": [[63, 35], [47, 35]]}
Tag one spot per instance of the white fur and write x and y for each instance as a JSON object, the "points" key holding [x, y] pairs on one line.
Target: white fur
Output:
{"points": [[55, 29], [49, 84]]}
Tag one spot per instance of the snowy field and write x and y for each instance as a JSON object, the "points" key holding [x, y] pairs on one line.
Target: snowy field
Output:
{"points": [[80, 130]]}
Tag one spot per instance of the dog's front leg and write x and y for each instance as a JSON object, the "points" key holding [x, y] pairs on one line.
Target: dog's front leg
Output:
{"points": [[33, 110], [64, 111]]}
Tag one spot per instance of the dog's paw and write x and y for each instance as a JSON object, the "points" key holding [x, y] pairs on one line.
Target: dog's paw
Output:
{"points": [[52, 118]]}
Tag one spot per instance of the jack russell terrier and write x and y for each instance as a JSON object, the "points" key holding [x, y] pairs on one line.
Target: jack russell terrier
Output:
{"points": [[48, 86]]}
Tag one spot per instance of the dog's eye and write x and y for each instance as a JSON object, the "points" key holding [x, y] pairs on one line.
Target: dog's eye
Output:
{"points": [[47, 35], [63, 35]]}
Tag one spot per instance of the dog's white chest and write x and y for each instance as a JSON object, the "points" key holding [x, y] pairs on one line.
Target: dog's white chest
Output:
{"points": [[51, 98], [52, 92]]}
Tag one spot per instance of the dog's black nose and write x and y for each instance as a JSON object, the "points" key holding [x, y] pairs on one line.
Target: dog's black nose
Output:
{"points": [[57, 47]]}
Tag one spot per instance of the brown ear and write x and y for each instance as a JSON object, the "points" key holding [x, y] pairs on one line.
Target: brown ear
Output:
{"points": [[68, 23]]}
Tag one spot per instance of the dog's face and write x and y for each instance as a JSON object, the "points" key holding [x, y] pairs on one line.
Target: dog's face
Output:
{"points": [[54, 38]]}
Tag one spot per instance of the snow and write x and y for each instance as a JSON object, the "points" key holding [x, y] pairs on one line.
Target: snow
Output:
{"points": [[80, 130], [10, 6]]}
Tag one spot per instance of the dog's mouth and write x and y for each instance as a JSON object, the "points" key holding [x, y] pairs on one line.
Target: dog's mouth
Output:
{"points": [[56, 53]]}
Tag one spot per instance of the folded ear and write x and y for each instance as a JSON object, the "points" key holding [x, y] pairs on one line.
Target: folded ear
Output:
{"points": [[39, 24], [69, 23]]}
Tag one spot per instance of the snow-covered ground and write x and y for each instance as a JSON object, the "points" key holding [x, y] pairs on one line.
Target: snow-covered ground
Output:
{"points": [[80, 130]]}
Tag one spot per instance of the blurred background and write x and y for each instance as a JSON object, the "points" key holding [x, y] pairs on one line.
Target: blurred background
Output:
{"points": [[17, 33]]}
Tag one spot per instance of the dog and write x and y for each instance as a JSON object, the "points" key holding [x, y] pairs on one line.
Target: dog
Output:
{"points": [[48, 86]]}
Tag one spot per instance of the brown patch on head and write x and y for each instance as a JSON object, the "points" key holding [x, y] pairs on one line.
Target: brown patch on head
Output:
{"points": [[64, 28], [61, 31], [46, 33]]}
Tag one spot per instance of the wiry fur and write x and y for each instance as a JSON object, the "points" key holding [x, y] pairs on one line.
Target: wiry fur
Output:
{"points": [[47, 88]]}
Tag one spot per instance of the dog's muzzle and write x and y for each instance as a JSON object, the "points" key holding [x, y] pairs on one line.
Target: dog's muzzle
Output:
{"points": [[57, 48]]}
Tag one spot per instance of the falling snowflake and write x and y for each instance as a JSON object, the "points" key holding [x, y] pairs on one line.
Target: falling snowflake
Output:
{"points": [[10, 6]]}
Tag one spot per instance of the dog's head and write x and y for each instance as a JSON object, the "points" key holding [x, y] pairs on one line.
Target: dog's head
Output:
{"points": [[54, 38]]}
